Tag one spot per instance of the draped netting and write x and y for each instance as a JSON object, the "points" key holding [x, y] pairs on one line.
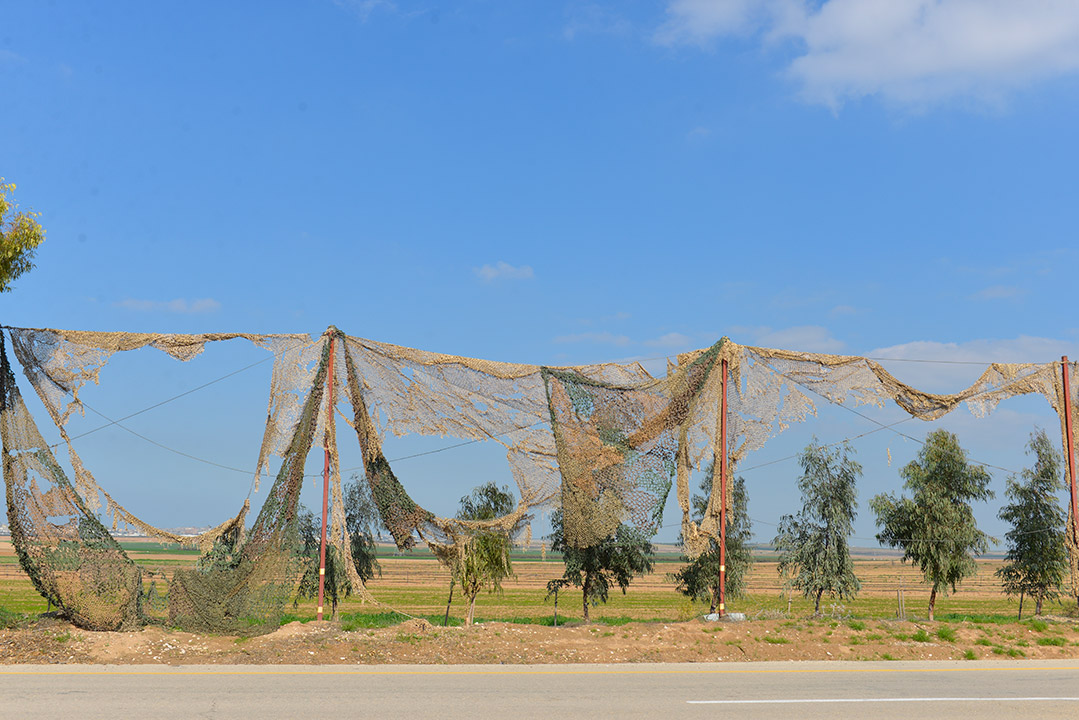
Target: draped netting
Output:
{"points": [[70, 557], [244, 589], [604, 443]]}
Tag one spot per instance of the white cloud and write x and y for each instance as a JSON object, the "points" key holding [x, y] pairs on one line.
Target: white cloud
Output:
{"points": [[179, 305], [808, 338], [670, 340], [998, 292], [908, 52], [503, 271], [600, 338]]}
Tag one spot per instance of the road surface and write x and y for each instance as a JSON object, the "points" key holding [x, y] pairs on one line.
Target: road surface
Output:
{"points": [[922, 690]]}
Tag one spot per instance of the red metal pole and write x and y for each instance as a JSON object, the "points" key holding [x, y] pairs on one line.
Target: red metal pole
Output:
{"points": [[1070, 449], [723, 493], [325, 481]]}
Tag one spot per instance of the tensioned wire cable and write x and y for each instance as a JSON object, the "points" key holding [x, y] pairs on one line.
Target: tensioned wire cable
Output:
{"points": [[110, 422], [117, 422]]}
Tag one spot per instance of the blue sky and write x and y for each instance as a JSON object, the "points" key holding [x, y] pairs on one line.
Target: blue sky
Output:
{"points": [[557, 183]]}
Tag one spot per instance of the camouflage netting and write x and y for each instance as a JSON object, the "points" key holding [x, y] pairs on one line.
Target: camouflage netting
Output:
{"points": [[243, 588], [605, 443], [69, 555]]}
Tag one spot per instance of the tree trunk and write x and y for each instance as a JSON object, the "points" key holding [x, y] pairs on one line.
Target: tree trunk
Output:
{"points": [[932, 602], [1038, 606], [715, 599], [446, 620], [584, 594], [1020, 604], [471, 610], [816, 606]]}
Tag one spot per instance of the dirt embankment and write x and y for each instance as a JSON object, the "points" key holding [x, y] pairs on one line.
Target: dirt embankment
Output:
{"points": [[416, 641]]}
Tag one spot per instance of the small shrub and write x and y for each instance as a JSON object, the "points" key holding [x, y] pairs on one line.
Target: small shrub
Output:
{"points": [[11, 620], [921, 636], [984, 641], [946, 634], [1051, 641], [856, 625], [887, 656], [776, 640], [970, 655], [1038, 625]]}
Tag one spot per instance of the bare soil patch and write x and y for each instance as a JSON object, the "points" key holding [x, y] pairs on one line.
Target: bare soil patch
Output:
{"points": [[49, 640]]}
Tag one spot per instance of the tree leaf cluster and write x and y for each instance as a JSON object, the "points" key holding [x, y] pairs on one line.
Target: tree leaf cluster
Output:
{"points": [[1037, 558], [20, 235], [935, 527], [814, 555], [699, 578], [484, 560], [616, 560], [361, 521]]}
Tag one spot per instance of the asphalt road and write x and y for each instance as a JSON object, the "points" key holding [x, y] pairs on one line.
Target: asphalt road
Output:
{"points": [[926, 691]]}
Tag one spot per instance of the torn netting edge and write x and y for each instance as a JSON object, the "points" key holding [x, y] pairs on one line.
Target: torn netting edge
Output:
{"points": [[403, 390], [68, 554], [620, 445], [58, 363], [244, 591], [772, 389]]}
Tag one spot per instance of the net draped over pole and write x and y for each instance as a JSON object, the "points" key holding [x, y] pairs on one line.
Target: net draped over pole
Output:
{"points": [[606, 443]]}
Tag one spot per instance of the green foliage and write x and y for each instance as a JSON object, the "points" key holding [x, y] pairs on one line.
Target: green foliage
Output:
{"points": [[20, 235], [936, 527], [361, 518], [11, 620], [813, 553], [337, 585], [619, 558], [484, 560], [1056, 641], [921, 636], [1037, 558], [361, 522], [946, 634], [699, 579], [1038, 625]]}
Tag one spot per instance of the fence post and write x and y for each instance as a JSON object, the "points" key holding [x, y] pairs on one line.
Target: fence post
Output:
{"points": [[723, 494], [1069, 449], [325, 478]]}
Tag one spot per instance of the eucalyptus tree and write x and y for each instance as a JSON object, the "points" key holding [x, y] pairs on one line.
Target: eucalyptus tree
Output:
{"points": [[814, 556], [618, 558], [1037, 558], [699, 578], [935, 527]]}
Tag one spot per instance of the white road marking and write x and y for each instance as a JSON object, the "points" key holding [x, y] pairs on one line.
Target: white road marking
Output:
{"points": [[881, 700]]}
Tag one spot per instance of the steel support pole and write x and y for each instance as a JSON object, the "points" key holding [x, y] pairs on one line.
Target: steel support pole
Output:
{"points": [[723, 494], [325, 481], [1069, 441]]}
